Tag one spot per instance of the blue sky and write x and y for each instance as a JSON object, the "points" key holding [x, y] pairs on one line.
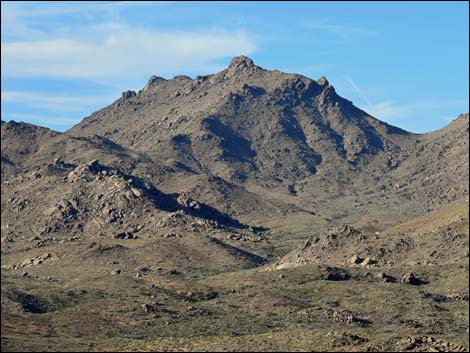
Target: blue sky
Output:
{"points": [[406, 63]]}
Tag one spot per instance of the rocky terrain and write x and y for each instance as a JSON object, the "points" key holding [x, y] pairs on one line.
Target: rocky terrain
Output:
{"points": [[248, 208]]}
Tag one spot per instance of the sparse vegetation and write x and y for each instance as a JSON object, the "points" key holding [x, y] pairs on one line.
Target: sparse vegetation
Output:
{"points": [[249, 209]]}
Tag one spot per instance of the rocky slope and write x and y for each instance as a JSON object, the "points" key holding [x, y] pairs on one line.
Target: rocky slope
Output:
{"points": [[438, 238], [245, 122], [284, 136], [53, 194], [249, 208]]}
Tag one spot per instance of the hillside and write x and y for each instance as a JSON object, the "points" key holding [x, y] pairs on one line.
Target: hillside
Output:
{"points": [[248, 208], [284, 136]]}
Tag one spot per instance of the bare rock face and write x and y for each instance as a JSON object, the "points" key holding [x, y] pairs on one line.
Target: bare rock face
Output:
{"points": [[153, 82], [322, 81], [128, 94], [241, 64]]}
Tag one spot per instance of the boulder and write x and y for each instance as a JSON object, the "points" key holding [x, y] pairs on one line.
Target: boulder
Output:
{"points": [[367, 261], [410, 278], [356, 259], [124, 235], [385, 278]]}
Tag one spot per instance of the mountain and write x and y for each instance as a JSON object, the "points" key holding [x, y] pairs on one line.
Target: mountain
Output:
{"points": [[59, 189], [248, 208], [282, 135], [245, 122]]}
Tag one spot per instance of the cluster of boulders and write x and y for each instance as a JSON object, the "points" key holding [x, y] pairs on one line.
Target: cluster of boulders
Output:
{"points": [[427, 344], [180, 218], [128, 95], [340, 339], [145, 270], [188, 202], [152, 82], [333, 237], [116, 182], [108, 198], [319, 248], [173, 219], [64, 209], [86, 172], [357, 260], [240, 65], [193, 311], [171, 235], [34, 261], [240, 237], [345, 316], [125, 235]]}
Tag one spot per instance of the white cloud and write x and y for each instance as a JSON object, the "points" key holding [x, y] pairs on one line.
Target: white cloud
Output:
{"points": [[20, 17], [391, 111], [91, 41], [42, 120], [38, 41], [344, 30], [54, 103], [124, 52], [388, 111]]}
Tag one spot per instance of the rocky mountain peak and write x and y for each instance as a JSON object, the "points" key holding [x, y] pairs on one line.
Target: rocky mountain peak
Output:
{"points": [[241, 61], [152, 82], [241, 64], [322, 81]]}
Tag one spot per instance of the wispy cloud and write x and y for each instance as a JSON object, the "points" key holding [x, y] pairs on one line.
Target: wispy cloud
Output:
{"points": [[393, 112], [20, 18], [92, 44], [358, 90], [50, 102], [103, 45], [383, 110], [343, 30], [123, 52], [59, 123], [388, 110]]}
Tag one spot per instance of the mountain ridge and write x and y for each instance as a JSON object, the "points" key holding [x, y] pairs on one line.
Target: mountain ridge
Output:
{"points": [[266, 131], [233, 210]]}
